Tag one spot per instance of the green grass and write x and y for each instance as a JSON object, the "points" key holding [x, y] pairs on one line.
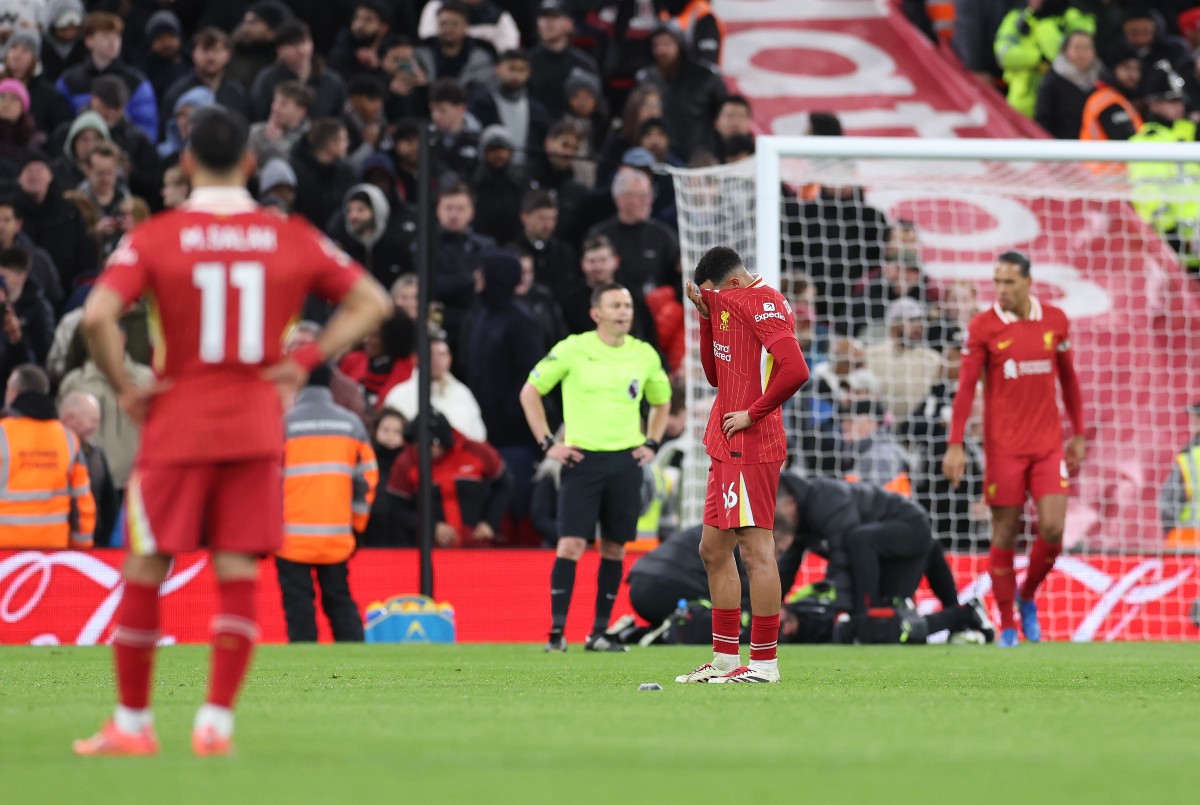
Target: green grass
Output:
{"points": [[496, 723]]}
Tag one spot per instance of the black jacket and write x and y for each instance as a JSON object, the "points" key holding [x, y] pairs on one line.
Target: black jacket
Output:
{"points": [[827, 509], [37, 331], [47, 105], [691, 99], [456, 257], [554, 264], [498, 202], [1060, 106], [230, 94], [677, 562], [486, 110], [320, 186], [501, 344], [329, 93], [57, 225], [387, 253], [648, 250], [548, 73], [562, 183]]}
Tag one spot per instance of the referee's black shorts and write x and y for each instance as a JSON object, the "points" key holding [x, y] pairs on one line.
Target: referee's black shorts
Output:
{"points": [[605, 488]]}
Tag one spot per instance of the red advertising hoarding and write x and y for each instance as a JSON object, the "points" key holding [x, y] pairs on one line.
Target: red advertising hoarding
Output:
{"points": [[70, 597]]}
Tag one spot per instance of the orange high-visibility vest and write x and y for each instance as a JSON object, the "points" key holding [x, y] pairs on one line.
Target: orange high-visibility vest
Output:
{"points": [[694, 11], [1097, 102], [329, 480], [45, 497], [901, 484], [941, 15]]}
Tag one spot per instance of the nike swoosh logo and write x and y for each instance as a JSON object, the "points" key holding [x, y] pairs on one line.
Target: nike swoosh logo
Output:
{"points": [[1004, 344]]}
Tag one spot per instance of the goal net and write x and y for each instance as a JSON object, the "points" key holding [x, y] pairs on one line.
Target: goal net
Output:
{"points": [[885, 249]]}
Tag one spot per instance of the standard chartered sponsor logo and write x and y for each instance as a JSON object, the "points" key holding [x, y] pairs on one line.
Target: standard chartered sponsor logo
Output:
{"points": [[722, 352], [1014, 369]]}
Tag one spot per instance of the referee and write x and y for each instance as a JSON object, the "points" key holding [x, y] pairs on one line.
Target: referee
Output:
{"points": [[604, 375]]}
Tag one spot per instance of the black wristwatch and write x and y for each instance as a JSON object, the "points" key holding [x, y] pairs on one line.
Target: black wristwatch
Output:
{"points": [[546, 443], [652, 444]]}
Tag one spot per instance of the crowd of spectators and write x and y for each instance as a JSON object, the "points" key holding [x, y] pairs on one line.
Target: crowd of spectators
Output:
{"points": [[518, 98]]}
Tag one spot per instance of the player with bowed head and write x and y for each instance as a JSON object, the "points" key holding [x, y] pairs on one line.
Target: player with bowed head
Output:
{"points": [[750, 354], [223, 280], [1023, 349]]}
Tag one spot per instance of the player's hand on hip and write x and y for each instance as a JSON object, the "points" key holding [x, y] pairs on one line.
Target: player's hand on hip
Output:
{"points": [[954, 464], [643, 455], [697, 298], [1076, 449], [135, 401], [565, 454], [288, 376], [484, 532], [735, 421]]}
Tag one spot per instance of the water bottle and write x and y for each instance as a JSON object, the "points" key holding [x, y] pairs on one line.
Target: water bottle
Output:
{"points": [[681, 616]]}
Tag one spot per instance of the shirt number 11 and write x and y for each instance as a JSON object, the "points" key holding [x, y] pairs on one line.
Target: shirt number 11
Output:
{"points": [[214, 281]]}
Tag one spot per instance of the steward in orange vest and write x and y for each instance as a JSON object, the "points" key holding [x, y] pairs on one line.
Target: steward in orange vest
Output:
{"points": [[1109, 113], [701, 28], [329, 483], [45, 498]]}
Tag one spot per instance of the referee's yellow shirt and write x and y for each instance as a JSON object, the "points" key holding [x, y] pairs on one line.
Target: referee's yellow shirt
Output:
{"points": [[602, 389]]}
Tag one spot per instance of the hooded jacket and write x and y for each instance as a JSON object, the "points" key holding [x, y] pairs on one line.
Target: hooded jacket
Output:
{"points": [[67, 169], [199, 97], [501, 344], [320, 186], [385, 250], [692, 96]]}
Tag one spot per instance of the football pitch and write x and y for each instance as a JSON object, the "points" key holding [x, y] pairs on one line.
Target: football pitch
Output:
{"points": [[507, 723]]}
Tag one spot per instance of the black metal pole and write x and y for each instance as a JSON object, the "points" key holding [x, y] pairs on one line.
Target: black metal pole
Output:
{"points": [[425, 512]]}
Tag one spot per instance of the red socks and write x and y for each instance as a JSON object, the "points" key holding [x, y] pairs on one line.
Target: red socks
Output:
{"points": [[727, 628], [1041, 560], [133, 644], [234, 632], [1004, 584], [764, 637]]}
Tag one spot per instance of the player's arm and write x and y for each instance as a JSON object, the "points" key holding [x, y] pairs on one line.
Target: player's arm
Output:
{"points": [[706, 348], [364, 307], [790, 372], [954, 463], [547, 374], [1073, 400], [658, 394]]}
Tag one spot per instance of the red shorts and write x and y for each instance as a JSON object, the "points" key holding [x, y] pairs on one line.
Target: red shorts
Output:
{"points": [[741, 495], [1006, 477], [232, 506]]}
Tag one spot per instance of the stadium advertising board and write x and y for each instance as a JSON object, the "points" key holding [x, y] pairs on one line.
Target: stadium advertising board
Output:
{"points": [[65, 598]]}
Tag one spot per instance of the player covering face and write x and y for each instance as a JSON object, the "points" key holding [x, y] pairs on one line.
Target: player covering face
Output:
{"points": [[750, 354], [223, 280]]}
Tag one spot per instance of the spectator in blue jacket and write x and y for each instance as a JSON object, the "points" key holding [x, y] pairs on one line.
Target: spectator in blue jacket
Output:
{"points": [[102, 36]]}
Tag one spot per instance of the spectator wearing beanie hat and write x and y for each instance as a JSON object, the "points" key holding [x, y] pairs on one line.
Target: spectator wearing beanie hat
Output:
{"points": [[63, 47], [48, 107], [164, 60], [277, 180], [17, 127], [586, 110], [254, 39]]}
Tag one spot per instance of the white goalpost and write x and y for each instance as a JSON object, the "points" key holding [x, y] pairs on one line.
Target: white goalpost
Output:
{"points": [[846, 225]]}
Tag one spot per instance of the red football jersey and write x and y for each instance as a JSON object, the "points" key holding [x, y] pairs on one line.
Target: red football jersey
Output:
{"points": [[223, 281], [1020, 360], [746, 322]]}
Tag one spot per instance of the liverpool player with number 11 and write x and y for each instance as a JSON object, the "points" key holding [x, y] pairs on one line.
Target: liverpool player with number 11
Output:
{"points": [[1023, 346], [223, 280], [749, 351]]}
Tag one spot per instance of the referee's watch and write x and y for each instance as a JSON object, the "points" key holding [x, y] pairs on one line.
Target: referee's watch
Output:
{"points": [[652, 444], [546, 443]]}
